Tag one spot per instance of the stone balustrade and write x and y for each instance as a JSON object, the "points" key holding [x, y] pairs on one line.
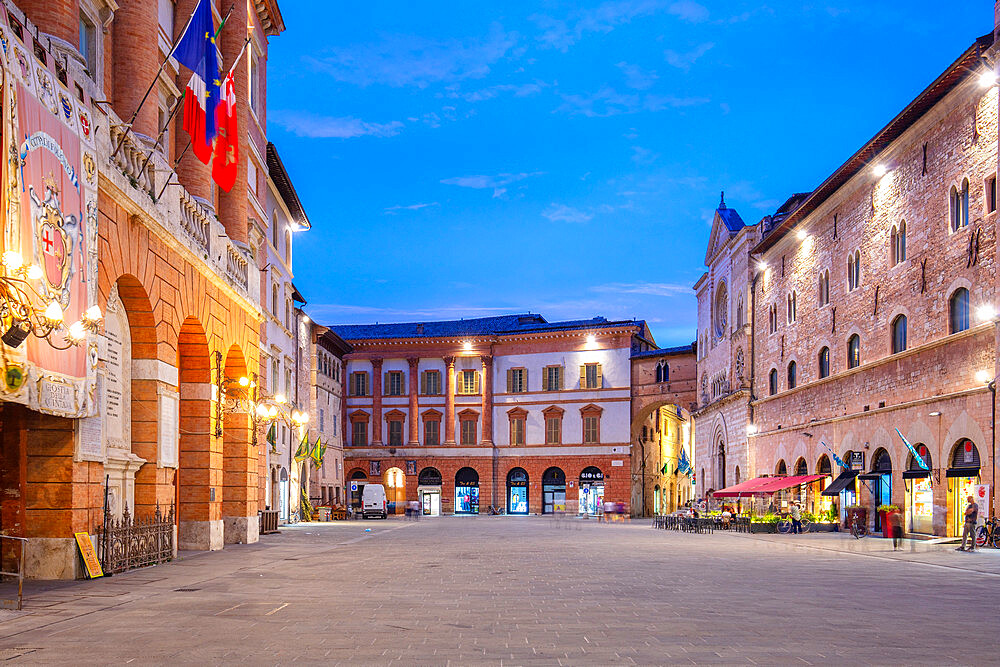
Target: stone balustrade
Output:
{"points": [[131, 159], [195, 220]]}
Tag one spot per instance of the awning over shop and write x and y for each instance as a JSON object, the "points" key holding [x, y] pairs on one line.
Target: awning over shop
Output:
{"points": [[764, 485], [964, 472], [916, 474], [839, 484]]}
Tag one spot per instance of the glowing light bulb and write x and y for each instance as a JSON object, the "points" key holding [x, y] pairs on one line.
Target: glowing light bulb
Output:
{"points": [[262, 411], [591, 339], [280, 398], [54, 312], [244, 381], [983, 376], [879, 170], [466, 346], [986, 312], [272, 412], [12, 260], [35, 272], [77, 332], [93, 314], [801, 235], [304, 418], [988, 79], [761, 266]]}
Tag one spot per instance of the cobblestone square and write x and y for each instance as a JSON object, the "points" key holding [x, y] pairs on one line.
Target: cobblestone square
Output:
{"points": [[524, 590]]}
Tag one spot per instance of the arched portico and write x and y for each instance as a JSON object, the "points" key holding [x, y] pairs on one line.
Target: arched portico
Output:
{"points": [[239, 460]]}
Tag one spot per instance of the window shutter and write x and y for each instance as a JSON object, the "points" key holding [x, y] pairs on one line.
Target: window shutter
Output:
{"points": [[600, 378], [583, 376], [478, 388], [385, 383], [524, 376], [510, 379], [559, 378], [423, 383]]}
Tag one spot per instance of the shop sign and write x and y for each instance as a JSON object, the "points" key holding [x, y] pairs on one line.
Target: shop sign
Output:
{"points": [[591, 476], [981, 496], [967, 454], [856, 460]]}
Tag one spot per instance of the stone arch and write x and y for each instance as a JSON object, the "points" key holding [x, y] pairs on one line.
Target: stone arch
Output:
{"points": [[964, 426], [199, 473], [801, 467], [239, 456]]}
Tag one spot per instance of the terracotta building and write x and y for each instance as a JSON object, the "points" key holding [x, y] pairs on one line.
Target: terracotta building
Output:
{"points": [[513, 412], [874, 309], [326, 405], [135, 413]]}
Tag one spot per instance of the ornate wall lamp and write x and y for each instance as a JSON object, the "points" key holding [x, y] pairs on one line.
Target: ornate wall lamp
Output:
{"points": [[245, 395], [20, 317]]}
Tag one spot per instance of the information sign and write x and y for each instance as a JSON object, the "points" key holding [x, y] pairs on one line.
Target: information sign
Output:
{"points": [[89, 555]]}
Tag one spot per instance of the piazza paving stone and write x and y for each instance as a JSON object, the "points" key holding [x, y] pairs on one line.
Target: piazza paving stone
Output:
{"points": [[511, 591]]}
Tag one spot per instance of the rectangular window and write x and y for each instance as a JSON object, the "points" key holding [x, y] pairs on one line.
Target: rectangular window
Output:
{"points": [[991, 194], [359, 436], [335, 424], [394, 383], [468, 431], [591, 430], [162, 114], [254, 83], [432, 433], [88, 44], [552, 378], [321, 419], [288, 383], [470, 382], [395, 433], [517, 431], [517, 380], [590, 376], [275, 373], [359, 383], [553, 430], [430, 383]]}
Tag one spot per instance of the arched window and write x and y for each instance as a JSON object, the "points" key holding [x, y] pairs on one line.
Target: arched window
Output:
{"points": [[781, 469], [801, 467], [899, 334], [792, 306], [960, 206], [897, 243], [288, 314], [854, 270], [772, 315], [854, 351], [958, 310], [824, 362], [274, 299], [824, 287], [772, 381], [288, 247], [274, 229], [791, 374], [659, 373], [739, 313], [721, 310]]}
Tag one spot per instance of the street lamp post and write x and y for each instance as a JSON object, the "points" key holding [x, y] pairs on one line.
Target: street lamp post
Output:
{"points": [[993, 446]]}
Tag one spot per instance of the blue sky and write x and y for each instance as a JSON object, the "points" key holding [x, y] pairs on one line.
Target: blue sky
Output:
{"points": [[465, 159]]}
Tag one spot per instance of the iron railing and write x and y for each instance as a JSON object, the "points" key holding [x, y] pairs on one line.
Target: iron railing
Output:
{"points": [[268, 522], [130, 543]]}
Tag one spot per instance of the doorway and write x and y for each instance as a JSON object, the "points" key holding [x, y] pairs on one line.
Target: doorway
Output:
{"points": [[517, 491], [429, 491], [553, 491]]}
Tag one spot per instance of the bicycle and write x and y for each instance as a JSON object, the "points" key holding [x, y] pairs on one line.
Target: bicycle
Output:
{"points": [[496, 511], [785, 525], [989, 533], [858, 528]]}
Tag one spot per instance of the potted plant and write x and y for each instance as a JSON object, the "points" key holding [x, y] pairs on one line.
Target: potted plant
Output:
{"points": [[886, 511], [766, 523]]}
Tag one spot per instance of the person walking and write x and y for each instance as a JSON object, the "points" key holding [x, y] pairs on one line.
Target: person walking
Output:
{"points": [[896, 526], [969, 531], [796, 514]]}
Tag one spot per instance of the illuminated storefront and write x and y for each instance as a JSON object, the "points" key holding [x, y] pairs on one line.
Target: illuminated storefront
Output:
{"points": [[517, 491], [962, 476], [592, 491], [879, 481], [553, 491], [919, 493], [429, 491], [466, 491]]}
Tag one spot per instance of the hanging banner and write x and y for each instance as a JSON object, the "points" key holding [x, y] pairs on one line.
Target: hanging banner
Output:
{"points": [[50, 218]]}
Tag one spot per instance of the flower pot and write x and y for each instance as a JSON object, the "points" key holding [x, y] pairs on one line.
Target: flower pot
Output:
{"points": [[886, 520]]}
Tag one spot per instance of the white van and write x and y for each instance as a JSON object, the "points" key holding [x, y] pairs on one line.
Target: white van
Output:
{"points": [[373, 501]]}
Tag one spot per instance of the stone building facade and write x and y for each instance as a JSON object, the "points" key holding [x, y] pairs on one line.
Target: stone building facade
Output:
{"points": [[182, 315], [511, 411], [875, 311], [664, 385], [326, 405]]}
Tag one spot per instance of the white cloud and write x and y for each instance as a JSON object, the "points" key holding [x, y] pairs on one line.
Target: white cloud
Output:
{"points": [[562, 213], [637, 77], [609, 102], [684, 61], [411, 207], [687, 10], [643, 156], [497, 183], [517, 90], [649, 289], [563, 33], [305, 124], [409, 60]]}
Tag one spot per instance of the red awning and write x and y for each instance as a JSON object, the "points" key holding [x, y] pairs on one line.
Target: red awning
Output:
{"points": [[765, 485]]}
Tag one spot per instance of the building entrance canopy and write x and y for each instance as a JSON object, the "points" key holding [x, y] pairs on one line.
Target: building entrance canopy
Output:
{"points": [[845, 479], [765, 485]]}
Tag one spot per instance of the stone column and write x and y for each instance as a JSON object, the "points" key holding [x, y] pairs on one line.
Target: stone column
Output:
{"points": [[449, 401], [232, 208], [487, 437], [134, 36], [376, 401], [414, 392]]}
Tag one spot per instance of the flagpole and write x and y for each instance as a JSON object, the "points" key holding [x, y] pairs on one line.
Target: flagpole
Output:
{"points": [[166, 124], [128, 126]]}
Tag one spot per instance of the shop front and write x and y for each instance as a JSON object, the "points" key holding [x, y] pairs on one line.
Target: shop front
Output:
{"points": [[919, 493], [517, 491], [553, 491], [429, 491], [879, 480], [844, 488], [824, 503], [592, 491], [357, 486], [467, 491], [963, 475]]}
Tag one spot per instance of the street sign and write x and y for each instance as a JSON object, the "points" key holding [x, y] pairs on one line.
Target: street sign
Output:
{"points": [[354, 487]]}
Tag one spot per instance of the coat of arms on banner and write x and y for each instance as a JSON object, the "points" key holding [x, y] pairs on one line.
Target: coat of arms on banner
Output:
{"points": [[54, 233]]}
